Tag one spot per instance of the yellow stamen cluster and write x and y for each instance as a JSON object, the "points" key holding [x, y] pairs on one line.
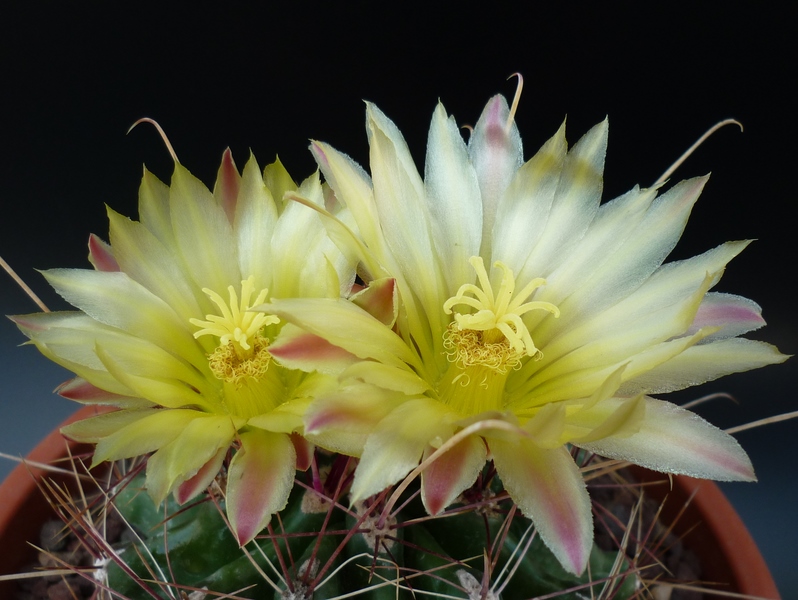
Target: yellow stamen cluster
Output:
{"points": [[242, 350], [494, 335], [227, 366], [467, 348]]}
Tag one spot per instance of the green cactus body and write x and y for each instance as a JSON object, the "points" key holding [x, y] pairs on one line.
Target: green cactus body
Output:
{"points": [[313, 553]]}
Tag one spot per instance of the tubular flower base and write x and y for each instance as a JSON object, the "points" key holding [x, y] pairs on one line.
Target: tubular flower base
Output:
{"points": [[164, 333], [508, 307]]}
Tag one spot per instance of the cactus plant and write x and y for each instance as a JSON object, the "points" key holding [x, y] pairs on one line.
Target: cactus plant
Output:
{"points": [[388, 385], [322, 548]]}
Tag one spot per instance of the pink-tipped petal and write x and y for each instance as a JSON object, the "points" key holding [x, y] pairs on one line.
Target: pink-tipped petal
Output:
{"points": [[203, 478], [259, 481], [456, 470], [674, 440], [496, 152], [80, 390], [318, 153], [380, 300], [101, 256], [295, 348], [304, 452], [346, 325], [228, 183], [106, 424], [548, 488], [342, 421], [734, 314], [31, 323]]}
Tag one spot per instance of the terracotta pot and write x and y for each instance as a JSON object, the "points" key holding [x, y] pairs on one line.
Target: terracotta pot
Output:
{"points": [[713, 530], [23, 508], [711, 527]]}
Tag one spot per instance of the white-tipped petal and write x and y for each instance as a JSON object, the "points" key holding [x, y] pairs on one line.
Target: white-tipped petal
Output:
{"points": [[455, 203]]}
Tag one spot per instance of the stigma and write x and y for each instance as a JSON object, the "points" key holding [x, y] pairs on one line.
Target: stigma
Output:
{"points": [[242, 350], [492, 334]]}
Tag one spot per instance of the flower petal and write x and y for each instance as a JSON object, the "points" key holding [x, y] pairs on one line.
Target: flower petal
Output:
{"points": [[277, 180], [117, 300], [380, 300], [101, 256], [259, 481], [522, 214], [154, 208], [155, 264], [575, 204], [199, 482], [295, 348], [607, 419], [128, 433], [674, 440], [496, 152], [72, 340], [80, 390], [285, 418], [633, 262], [94, 429], [352, 187], [451, 473], [228, 183], [342, 421], [385, 376], [304, 452], [734, 315], [203, 235], [548, 488], [153, 374], [704, 362], [400, 198], [396, 445], [198, 438], [346, 325], [255, 219], [296, 274], [452, 189]]}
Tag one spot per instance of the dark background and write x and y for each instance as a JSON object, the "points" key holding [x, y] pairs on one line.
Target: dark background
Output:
{"points": [[75, 76]]}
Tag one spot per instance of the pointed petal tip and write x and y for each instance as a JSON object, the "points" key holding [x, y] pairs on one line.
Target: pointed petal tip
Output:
{"points": [[26, 323], [319, 153], [101, 255], [79, 389], [192, 486], [259, 482]]}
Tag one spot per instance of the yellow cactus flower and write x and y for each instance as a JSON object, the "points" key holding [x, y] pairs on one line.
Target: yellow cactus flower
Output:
{"points": [[164, 332], [509, 302]]}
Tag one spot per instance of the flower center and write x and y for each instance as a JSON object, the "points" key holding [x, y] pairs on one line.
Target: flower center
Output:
{"points": [[485, 344], [494, 335], [242, 350]]}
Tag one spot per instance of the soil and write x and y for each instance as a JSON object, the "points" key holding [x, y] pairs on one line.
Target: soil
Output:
{"points": [[58, 548]]}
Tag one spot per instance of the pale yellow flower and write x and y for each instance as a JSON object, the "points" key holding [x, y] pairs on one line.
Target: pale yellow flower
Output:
{"points": [[508, 300], [164, 333]]}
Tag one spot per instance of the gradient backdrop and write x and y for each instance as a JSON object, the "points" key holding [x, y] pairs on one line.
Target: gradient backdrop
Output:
{"points": [[74, 77]]}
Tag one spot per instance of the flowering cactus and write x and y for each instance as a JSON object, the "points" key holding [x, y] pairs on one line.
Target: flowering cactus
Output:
{"points": [[505, 327], [557, 345]]}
